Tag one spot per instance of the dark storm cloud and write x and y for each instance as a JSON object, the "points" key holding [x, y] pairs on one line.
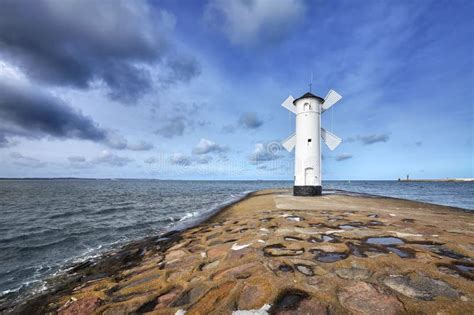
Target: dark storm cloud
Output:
{"points": [[250, 120], [75, 43], [26, 111], [4, 142]]}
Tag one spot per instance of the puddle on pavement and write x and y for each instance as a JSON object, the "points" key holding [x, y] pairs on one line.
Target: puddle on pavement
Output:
{"points": [[361, 250], [277, 250], [294, 218], [330, 239], [465, 270], [324, 238], [351, 225], [288, 301], [292, 239], [231, 240], [328, 257], [443, 251], [381, 247], [285, 268], [374, 223], [385, 240], [402, 252], [347, 226], [318, 225]]}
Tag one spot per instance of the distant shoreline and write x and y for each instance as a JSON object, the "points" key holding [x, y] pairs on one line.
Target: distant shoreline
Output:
{"points": [[455, 180]]}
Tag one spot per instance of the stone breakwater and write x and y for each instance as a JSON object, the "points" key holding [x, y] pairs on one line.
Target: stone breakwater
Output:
{"points": [[278, 254]]}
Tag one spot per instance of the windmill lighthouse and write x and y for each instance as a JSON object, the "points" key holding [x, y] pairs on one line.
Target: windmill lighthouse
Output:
{"points": [[308, 109]]}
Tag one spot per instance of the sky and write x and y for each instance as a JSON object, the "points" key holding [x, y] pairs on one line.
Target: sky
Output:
{"points": [[193, 89]]}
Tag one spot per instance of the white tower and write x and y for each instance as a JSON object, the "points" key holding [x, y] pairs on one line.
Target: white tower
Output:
{"points": [[308, 109]]}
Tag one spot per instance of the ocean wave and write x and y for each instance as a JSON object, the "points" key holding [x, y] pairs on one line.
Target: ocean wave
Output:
{"points": [[189, 215], [110, 210], [65, 240]]}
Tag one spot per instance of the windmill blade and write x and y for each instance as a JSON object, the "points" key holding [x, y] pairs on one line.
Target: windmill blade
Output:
{"points": [[290, 142], [288, 104], [331, 140], [332, 98]]}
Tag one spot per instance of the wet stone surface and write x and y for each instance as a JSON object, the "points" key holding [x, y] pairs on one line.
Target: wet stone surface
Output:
{"points": [[304, 269], [420, 287], [278, 254], [365, 298], [354, 273]]}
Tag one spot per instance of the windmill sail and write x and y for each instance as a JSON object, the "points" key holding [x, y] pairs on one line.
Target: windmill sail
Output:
{"points": [[332, 98], [288, 104], [289, 143], [331, 140]]}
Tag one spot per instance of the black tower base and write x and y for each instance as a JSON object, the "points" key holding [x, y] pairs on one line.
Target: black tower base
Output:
{"points": [[307, 190]]}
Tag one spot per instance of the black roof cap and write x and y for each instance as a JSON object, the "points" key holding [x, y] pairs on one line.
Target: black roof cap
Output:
{"points": [[309, 95]]}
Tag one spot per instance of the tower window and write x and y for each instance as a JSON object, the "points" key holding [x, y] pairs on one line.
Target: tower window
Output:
{"points": [[309, 140]]}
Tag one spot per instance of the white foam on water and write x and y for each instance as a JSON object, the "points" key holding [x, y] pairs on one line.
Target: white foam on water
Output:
{"points": [[189, 215]]}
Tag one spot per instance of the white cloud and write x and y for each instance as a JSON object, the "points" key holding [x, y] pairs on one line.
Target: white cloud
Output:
{"points": [[263, 153], [206, 146], [248, 21]]}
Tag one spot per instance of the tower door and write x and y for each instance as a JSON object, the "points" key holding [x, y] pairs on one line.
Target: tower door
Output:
{"points": [[309, 176]]}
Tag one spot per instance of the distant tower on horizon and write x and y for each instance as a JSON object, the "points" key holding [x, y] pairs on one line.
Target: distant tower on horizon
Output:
{"points": [[308, 109]]}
